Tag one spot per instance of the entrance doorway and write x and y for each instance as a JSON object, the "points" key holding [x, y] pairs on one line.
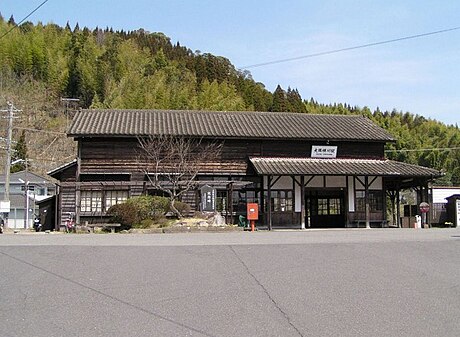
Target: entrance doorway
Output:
{"points": [[325, 208]]}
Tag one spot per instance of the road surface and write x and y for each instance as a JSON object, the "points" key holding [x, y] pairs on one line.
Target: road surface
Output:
{"points": [[389, 282]]}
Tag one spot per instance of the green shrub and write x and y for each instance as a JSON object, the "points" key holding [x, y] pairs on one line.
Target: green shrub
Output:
{"points": [[139, 212], [125, 214], [159, 207], [182, 207]]}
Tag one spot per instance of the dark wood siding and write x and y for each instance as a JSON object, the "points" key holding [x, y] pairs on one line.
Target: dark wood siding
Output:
{"points": [[100, 155], [67, 198], [115, 162]]}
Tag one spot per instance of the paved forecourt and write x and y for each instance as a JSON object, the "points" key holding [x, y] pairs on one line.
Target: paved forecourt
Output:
{"points": [[389, 282]]}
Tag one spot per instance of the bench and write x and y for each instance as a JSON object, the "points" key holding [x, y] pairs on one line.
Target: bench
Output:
{"points": [[362, 223], [111, 226]]}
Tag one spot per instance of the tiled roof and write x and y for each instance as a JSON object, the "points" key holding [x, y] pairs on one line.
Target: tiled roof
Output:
{"points": [[268, 125], [21, 176], [61, 168], [17, 200], [315, 166]]}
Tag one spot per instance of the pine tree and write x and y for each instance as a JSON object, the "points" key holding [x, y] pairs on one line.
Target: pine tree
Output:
{"points": [[11, 21], [280, 102], [20, 153], [294, 100]]}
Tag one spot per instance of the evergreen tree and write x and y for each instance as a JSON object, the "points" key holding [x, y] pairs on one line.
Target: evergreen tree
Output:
{"points": [[294, 101], [20, 153], [280, 103], [138, 69], [11, 21]]}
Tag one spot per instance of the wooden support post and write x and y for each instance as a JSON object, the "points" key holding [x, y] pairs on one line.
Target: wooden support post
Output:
{"points": [[269, 202], [347, 203], [398, 208], [366, 198], [302, 202], [230, 202]]}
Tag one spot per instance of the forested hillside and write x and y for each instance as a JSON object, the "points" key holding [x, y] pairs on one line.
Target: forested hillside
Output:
{"points": [[39, 64]]}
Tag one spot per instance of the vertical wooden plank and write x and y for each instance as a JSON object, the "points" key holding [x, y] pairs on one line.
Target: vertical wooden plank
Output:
{"points": [[366, 197], [269, 202], [302, 202], [398, 208], [346, 203], [384, 200], [77, 185]]}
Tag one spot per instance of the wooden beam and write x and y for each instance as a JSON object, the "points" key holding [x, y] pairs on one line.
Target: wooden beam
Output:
{"points": [[309, 180], [302, 202], [276, 180], [398, 208], [366, 198], [269, 202]]}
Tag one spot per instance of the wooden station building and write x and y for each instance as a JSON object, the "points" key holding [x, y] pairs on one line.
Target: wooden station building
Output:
{"points": [[303, 170]]}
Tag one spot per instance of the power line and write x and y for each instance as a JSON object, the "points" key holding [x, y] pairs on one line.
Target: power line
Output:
{"points": [[42, 131], [334, 51], [17, 25], [423, 150]]}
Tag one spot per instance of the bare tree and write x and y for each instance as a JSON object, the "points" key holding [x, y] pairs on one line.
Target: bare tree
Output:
{"points": [[173, 163]]}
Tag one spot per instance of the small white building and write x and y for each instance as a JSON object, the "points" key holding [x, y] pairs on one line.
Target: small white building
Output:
{"points": [[439, 195], [37, 187]]}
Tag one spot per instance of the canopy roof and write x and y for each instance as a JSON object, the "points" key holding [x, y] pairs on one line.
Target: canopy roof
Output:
{"points": [[218, 124], [336, 167]]}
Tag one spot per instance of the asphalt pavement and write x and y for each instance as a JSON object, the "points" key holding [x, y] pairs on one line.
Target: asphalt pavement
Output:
{"points": [[378, 282]]}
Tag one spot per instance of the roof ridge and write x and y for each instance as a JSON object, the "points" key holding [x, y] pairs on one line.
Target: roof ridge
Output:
{"points": [[226, 124], [226, 112]]}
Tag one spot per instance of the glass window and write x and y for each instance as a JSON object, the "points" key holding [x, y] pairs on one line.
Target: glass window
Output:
{"points": [[322, 206], [335, 206], [375, 201], [91, 201], [360, 201], [281, 201], [241, 198], [221, 201], [115, 198]]}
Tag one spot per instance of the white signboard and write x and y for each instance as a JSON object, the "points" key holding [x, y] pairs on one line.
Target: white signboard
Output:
{"points": [[4, 206], [323, 151]]}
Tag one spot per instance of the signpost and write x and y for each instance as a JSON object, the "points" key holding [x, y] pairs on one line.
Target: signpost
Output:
{"points": [[208, 199]]}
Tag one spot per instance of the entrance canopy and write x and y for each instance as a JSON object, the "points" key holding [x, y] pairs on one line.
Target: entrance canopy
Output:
{"points": [[340, 167], [351, 189]]}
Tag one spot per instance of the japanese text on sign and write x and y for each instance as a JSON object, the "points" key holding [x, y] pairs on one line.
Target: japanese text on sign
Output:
{"points": [[323, 151]]}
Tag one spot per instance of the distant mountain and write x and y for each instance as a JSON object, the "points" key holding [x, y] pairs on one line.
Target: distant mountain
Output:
{"points": [[103, 68]]}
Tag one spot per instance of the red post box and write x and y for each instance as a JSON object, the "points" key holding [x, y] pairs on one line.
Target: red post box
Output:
{"points": [[253, 214]]}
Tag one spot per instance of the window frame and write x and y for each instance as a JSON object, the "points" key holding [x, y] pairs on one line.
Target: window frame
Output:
{"points": [[376, 200], [96, 201], [282, 200]]}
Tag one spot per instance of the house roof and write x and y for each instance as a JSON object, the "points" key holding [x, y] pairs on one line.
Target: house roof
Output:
{"points": [[352, 167], [21, 176], [17, 200], [215, 124], [61, 168]]}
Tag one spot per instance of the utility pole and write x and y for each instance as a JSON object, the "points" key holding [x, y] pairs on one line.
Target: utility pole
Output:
{"points": [[26, 190], [9, 138]]}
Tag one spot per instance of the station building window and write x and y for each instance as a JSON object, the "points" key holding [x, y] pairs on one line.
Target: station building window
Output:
{"points": [[375, 200], [281, 200], [95, 201]]}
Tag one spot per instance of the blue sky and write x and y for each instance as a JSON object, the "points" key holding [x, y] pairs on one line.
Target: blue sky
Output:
{"points": [[421, 76]]}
